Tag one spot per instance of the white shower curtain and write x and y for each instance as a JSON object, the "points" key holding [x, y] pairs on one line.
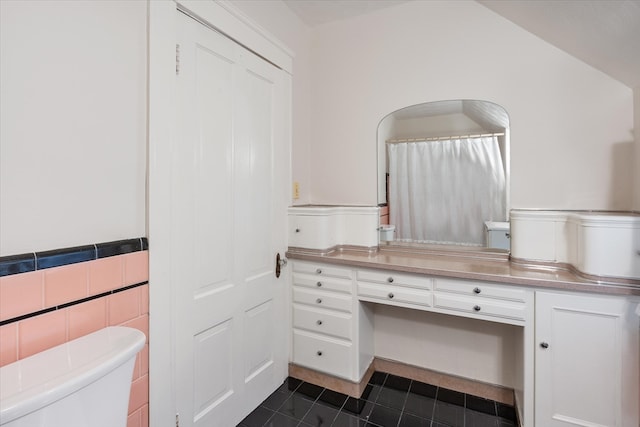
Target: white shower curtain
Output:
{"points": [[444, 191]]}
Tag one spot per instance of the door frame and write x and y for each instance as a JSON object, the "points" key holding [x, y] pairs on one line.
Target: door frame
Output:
{"points": [[227, 19]]}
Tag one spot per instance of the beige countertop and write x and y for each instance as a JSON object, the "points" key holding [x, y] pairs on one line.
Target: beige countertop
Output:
{"points": [[493, 267]]}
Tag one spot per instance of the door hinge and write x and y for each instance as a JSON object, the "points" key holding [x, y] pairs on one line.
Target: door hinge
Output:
{"points": [[177, 420], [177, 59]]}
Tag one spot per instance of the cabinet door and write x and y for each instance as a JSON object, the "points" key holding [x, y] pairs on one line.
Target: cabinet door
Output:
{"points": [[586, 369]]}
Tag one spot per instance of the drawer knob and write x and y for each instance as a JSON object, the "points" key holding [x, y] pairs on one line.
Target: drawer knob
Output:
{"points": [[319, 353], [319, 322], [476, 307], [477, 290], [318, 271], [390, 295], [544, 344], [319, 284], [319, 301], [297, 230], [390, 279]]}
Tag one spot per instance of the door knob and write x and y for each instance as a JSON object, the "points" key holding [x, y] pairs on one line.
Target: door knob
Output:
{"points": [[281, 262]]}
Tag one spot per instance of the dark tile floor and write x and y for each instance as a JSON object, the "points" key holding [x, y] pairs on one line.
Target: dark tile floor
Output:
{"points": [[388, 401]]}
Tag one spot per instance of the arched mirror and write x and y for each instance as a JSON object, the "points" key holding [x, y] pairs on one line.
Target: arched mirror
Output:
{"points": [[443, 175]]}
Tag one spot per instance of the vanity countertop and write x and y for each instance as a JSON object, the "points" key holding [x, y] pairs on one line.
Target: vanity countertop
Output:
{"points": [[498, 269]]}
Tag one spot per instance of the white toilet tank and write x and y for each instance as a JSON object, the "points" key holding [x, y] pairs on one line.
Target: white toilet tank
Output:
{"points": [[85, 382]]}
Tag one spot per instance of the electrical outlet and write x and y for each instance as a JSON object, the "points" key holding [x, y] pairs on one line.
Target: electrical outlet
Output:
{"points": [[296, 190]]}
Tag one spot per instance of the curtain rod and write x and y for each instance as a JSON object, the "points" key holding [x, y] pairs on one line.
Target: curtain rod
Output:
{"points": [[444, 138]]}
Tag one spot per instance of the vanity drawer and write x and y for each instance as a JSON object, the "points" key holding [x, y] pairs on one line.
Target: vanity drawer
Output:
{"points": [[322, 283], [322, 322], [394, 294], [480, 307], [321, 299], [321, 270], [322, 354], [479, 289], [392, 278]]}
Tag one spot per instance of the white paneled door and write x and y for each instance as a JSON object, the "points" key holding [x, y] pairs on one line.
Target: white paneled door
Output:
{"points": [[586, 368], [229, 195]]}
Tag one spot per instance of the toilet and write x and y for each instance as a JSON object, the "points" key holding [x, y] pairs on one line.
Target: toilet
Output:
{"points": [[84, 382]]}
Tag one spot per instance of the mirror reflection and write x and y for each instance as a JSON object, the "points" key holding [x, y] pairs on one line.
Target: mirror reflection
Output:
{"points": [[444, 175]]}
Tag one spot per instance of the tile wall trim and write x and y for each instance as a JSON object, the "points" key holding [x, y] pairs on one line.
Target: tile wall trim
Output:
{"points": [[24, 263], [71, 303]]}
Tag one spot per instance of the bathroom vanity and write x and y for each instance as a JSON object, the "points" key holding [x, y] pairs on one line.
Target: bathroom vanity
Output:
{"points": [[570, 343]]}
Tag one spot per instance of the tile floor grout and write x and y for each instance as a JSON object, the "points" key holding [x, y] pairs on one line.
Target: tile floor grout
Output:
{"points": [[376, 412]]}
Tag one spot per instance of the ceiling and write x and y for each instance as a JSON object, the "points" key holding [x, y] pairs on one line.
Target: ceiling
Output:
{"points": [[602, 33], [491, 117]]}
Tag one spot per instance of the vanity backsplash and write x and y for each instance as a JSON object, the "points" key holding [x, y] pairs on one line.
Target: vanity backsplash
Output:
{"points": [[598, 244]]}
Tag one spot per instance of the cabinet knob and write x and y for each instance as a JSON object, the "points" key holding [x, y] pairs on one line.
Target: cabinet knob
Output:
{"points": [[390, 295], [319, 353], [297, 230], [319, 322], [477, 290], [544, 344], [318, 271], [319, 284], [477, 308], [319, 301], [390, 279]]}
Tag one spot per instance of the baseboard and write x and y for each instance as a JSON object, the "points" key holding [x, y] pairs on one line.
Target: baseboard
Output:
{"points": [[332, 383], [464, 385]]}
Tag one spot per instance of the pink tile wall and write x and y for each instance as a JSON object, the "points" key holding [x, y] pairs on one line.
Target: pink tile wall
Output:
{"points": [[30, 292]]}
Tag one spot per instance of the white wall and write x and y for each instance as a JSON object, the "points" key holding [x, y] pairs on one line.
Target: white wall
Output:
{"points": [[450, 124], [471, 348], [567, 118], [636, 169], [276, 18], [72, 123]]}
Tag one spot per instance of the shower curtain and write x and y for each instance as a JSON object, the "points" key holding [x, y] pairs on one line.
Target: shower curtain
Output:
{"points": [[443, 191]]}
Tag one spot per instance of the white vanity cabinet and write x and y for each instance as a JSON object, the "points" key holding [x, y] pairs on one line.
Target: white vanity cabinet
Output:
{"points": [[471, 299], [576, 355], [395, 288], [586, 361], [481, 300], [327, 322]]}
